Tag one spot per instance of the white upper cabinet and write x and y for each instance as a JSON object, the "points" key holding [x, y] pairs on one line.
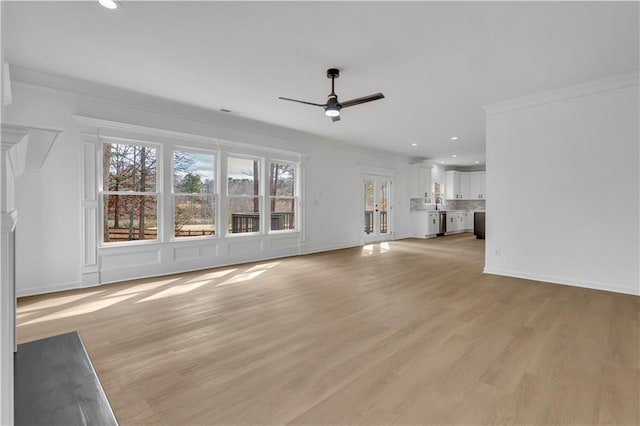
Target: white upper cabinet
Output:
{"points": [[477, 186], [452, 188], [420, 182], [465, 185]]}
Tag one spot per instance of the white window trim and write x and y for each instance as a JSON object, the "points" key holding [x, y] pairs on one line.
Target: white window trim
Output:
{"points": [[214, 195], [260, 196], [102, 140], [93, 131], [295, 196]]}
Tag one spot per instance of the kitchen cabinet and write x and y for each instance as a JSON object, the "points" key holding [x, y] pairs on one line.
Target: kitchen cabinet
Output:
{"points": [[468, 221], [420, 182], [452, 185], [465, 185], [419, 224], [425, 223], [455, 221], [433, 224], [452, 223], [477, 186]]}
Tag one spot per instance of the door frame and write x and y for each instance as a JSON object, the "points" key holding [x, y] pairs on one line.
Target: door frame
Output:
{"points": [[377, 175]]}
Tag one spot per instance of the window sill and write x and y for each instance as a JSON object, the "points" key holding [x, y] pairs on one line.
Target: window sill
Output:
{"points": [[199, 239]]}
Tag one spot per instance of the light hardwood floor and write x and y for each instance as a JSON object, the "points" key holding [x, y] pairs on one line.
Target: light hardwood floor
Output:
{"points": [[408, 332]]}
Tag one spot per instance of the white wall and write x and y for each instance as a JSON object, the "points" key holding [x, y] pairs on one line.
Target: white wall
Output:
{"points": [[49, 236], [563, 185], [6, 300]]}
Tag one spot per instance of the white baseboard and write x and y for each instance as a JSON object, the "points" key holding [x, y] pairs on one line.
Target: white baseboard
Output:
{"points": [[33, 291], [462, 231], [564, 281], [320, 250]]}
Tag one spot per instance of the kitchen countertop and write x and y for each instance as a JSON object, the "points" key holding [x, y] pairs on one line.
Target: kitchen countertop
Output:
{"points": [[446, 210]]}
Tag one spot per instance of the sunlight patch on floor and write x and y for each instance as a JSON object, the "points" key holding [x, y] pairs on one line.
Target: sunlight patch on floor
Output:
{"points": [[85, 308], [242, 277], [262, 266], [175, 290], [369, 249], [213, 275], [56, 301], [139, 288], [20, 316]]}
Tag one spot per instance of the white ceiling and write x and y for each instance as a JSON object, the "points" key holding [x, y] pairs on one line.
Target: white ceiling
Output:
{"points": [[437, 63]]}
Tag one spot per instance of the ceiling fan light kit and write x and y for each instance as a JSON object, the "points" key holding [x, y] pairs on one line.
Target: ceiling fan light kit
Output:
{"points": [[332, 112], [333, 106]]}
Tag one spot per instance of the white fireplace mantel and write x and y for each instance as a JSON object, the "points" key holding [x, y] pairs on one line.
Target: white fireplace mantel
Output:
{"points": [[23, 148]]}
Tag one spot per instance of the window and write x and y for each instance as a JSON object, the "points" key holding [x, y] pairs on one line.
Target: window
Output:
{"points": [[129, 192], [282, 196], [243, 195], [171, 191], [193, 194]]}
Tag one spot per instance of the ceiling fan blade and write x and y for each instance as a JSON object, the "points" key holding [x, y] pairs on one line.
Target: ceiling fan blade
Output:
{"points": [[336, 118], [358, 101], [302, 102]]}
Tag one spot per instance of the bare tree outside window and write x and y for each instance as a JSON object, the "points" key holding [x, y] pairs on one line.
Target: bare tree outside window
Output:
{"points": [[194, 194], [129, 192], [282, 196]]}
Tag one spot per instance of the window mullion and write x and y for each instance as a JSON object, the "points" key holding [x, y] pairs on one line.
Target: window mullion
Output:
{"points": [[168, 199], [223, 209]]}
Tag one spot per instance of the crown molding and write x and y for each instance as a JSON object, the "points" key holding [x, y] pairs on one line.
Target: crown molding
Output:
{"points": [[156, 104], [12, 134], [236, 123], [118, 95], [100, 124], [563, 93], [8, 221]]}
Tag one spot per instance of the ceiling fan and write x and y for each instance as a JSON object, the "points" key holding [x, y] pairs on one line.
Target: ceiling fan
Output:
{"points": [[333, 106]]}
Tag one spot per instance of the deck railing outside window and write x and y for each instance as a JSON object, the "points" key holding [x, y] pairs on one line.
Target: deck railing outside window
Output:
{"points": [[250, 222], [368, 222]]}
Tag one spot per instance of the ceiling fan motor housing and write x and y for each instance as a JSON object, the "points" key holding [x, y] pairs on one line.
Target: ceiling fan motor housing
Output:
{"points": [[332, 102]]}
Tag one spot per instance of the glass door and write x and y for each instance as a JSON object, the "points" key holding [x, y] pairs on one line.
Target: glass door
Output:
{"points": [[376, 208]]}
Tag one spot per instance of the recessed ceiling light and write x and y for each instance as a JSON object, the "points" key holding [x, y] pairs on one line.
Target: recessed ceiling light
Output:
{"points": [[454, 155], [442, 162], [454, 138], [477, 162], [414, 144], [109, 4]]}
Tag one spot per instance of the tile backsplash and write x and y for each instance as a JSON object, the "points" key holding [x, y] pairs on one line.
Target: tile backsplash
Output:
{"points": [[466, 204], [418, 204]]}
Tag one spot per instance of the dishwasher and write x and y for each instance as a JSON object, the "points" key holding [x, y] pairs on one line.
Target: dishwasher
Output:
{"points": [[443, 223]]}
